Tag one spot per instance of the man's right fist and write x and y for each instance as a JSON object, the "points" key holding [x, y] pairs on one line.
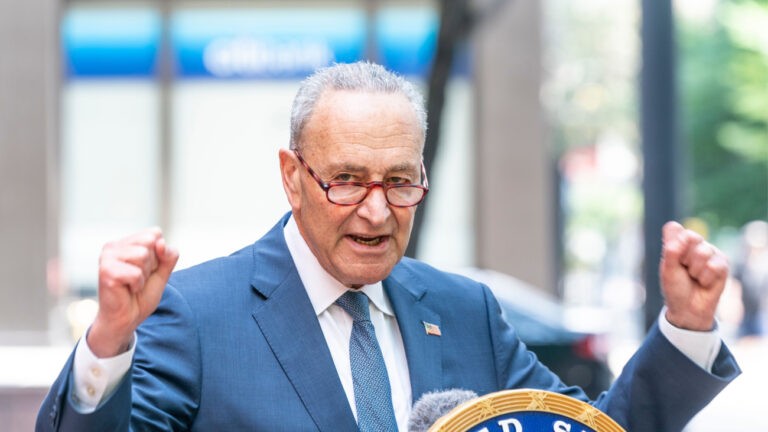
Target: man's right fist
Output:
{"points": [[133, 273]]}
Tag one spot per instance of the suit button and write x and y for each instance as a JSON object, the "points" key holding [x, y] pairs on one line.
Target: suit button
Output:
{"points": [[91, 391]]}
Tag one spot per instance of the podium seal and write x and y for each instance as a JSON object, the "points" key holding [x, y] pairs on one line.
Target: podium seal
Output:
{"points": [[525, 410]]}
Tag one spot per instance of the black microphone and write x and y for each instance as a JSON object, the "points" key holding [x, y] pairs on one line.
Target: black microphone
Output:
{"points": [[433, 405]]}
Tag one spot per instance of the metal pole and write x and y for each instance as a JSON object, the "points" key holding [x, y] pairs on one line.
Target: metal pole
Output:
{"points": [[165, 74], [659, 140]]}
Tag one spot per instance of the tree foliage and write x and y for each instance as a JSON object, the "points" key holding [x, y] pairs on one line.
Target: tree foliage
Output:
{"points": [[724, 82]]}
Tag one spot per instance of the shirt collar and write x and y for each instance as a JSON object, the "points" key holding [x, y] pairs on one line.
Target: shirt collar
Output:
{"points": [[323, 290]]}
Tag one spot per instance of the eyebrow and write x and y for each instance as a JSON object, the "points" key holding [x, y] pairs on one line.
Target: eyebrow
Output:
{"points": [[347, 166]]}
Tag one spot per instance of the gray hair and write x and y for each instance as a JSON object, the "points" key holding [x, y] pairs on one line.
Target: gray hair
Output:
{"points": [[360, 76]]}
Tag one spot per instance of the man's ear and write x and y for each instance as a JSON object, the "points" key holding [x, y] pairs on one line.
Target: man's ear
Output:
{"points": [[291, 177]]}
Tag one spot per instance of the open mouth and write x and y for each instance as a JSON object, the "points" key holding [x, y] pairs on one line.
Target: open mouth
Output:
{"points": [[368, 241]]}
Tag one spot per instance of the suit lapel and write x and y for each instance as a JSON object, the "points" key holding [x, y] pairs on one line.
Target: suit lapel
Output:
{"points": [[422, 350], [289, 324]]}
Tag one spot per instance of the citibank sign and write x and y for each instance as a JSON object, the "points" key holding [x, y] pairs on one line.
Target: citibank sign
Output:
{"points": [[246, 56]]}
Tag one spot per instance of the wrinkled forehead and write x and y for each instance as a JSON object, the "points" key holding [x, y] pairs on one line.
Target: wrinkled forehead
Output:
{"points": [[378, 113], [382, 124]]}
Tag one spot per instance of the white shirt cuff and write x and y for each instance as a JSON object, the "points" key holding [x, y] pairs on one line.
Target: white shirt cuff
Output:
{"points": [[94, 379], [700, 347]]}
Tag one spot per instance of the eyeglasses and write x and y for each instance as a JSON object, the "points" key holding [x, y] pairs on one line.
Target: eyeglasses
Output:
{"points": [[350, 193]]}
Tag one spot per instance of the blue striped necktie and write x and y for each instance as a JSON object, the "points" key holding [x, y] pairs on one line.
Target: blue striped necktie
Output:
{"points": [[373, 396]]}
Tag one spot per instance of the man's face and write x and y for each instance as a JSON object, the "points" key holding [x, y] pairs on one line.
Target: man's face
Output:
{"points": [[354, 136]]}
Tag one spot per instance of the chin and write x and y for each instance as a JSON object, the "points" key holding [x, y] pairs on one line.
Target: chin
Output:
{"points": [[367, 277]]}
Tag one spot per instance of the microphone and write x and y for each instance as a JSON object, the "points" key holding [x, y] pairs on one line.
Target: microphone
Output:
{"points": [[433, 405]]}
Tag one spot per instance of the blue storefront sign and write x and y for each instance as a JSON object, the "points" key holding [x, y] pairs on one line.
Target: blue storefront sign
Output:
{"points": [[110, 43], [243, 44]]}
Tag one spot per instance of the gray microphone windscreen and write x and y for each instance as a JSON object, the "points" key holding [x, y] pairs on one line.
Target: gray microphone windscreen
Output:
{"points": [[431, 406]]}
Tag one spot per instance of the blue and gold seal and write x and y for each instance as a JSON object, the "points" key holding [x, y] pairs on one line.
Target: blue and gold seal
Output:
{"points": [[525, 411]]}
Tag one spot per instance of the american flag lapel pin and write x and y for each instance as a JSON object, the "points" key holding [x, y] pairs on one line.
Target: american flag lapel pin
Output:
{"points": [[432, 329]]}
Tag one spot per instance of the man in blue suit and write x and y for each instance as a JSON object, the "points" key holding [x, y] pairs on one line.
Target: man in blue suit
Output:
{"points": [[261, 339]]}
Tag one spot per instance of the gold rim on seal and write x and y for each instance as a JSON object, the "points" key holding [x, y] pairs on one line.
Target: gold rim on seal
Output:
{"points": [[476, 411]]}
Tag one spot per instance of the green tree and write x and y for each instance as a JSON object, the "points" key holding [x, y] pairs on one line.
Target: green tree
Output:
{"points": [[724, 82]]}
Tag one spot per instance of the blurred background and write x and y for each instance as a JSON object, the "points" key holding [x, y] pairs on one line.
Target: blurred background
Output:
{"points": [[562, 136]]}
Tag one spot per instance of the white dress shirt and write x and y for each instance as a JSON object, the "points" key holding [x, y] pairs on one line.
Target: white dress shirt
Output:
{"points": [[95, 379]]}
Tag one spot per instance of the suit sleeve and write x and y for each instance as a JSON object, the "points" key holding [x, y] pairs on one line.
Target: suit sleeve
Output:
{"points": [[160, 393], [660, 389]]}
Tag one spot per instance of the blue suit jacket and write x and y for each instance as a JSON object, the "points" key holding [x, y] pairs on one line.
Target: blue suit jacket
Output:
{"points": [[235, 345]]}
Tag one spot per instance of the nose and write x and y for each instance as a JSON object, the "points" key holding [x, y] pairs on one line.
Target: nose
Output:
{"points": [[375, 207]]}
